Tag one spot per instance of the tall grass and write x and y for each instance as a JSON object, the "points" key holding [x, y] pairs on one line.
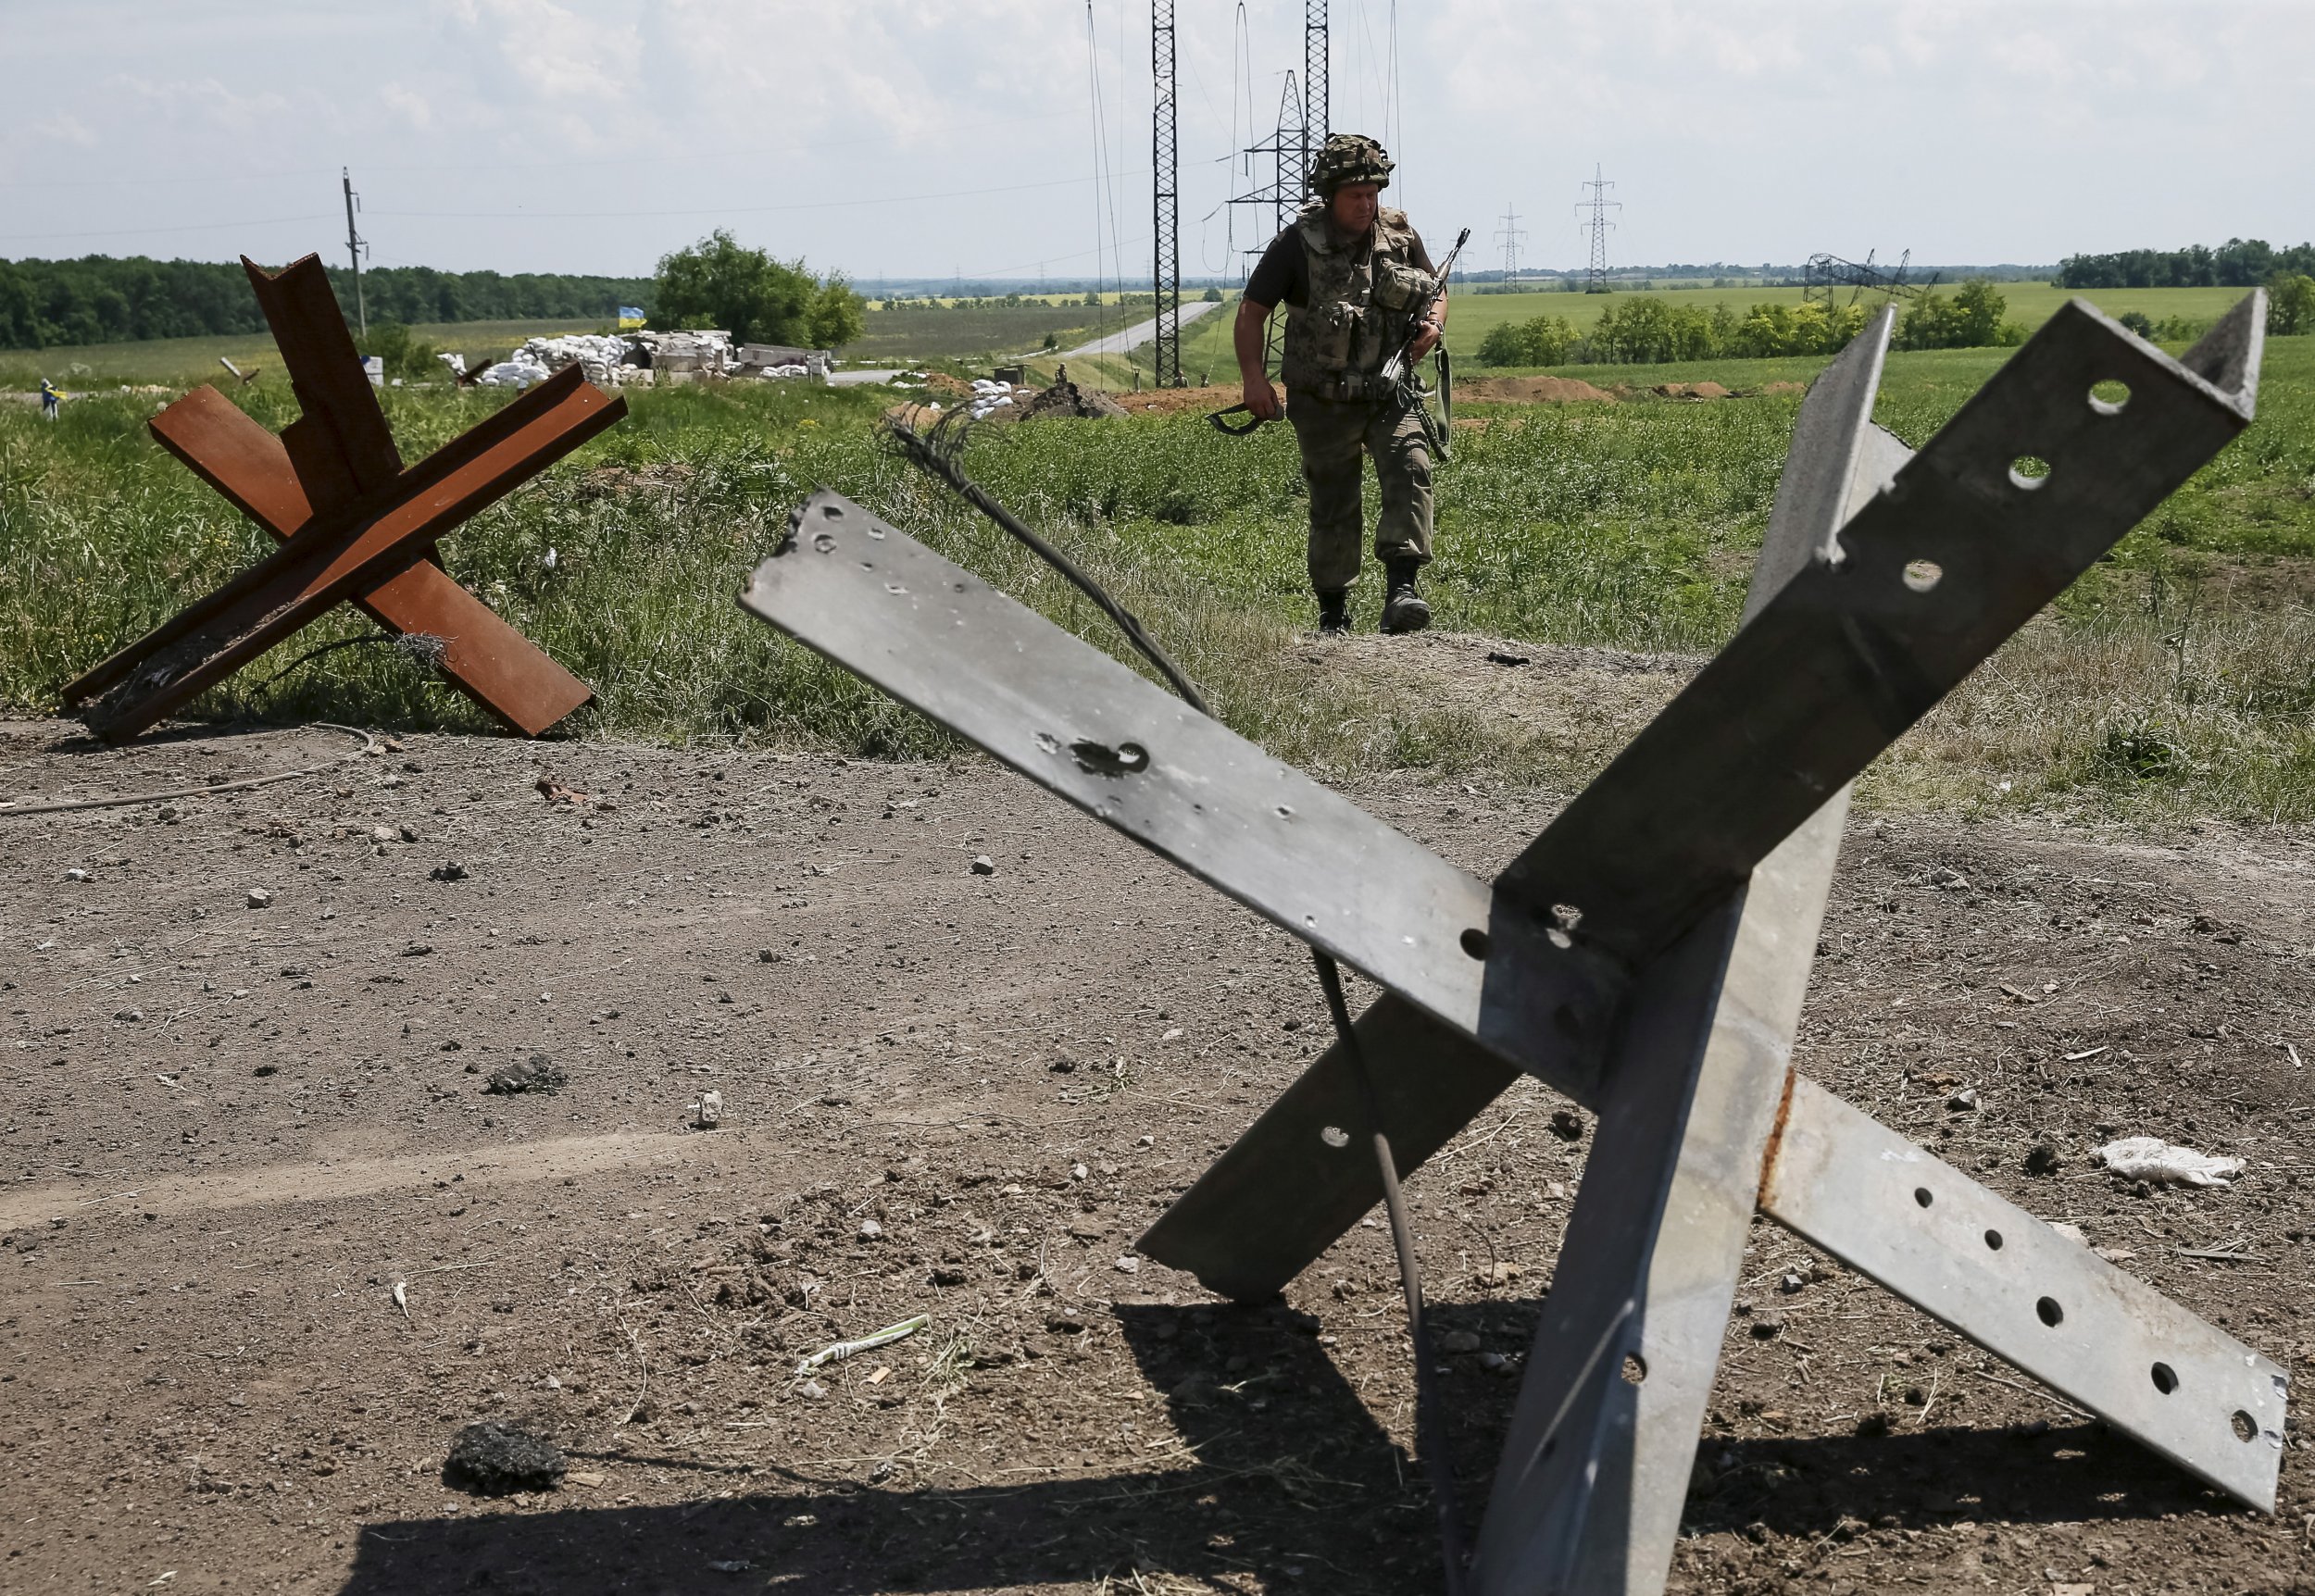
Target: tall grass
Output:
{"points": [[2177, 677]]}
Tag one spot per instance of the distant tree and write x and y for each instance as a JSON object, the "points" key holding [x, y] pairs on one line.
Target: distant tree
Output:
{"points": [[1971, 319], [404, 353], [2138, 321], [2290, 304], [1212, 296], [719, 282]]}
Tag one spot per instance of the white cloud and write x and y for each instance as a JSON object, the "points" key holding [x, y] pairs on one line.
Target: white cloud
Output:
{"points": [[596, 135]]}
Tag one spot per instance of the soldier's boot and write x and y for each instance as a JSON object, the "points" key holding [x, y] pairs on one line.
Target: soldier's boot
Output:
{"points": [[1404, 610], [1335, 612]]}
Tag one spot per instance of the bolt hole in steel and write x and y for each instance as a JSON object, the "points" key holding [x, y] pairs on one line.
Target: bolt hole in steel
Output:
{"points": [[1635, 1369], [1921, 1195], [824, 541], [1100, 759], [1335, 1135], [2245, 1427], [2165, 1378], [2049, 1312], [1474, 943], [2109, 397], [833, 512], [1993, 1240], [1923, 575], [2029, 472]]}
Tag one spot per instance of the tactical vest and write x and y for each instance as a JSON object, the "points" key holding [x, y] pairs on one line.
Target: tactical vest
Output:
{"points": [[1363, 293]]}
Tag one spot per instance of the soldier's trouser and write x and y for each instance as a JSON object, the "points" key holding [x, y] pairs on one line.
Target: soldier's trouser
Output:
{"points": [[1333, 434]]}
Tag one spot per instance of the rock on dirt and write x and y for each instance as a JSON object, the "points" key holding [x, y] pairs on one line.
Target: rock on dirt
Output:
{"points": [[495, 1459], [538, 1073], [259, 898]]}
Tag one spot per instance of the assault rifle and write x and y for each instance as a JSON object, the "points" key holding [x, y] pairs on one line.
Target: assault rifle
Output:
{"points": [[1397, 374], [1398, 371]]}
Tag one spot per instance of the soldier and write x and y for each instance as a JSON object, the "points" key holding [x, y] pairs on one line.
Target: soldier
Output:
{"points": [[1352, 276]]}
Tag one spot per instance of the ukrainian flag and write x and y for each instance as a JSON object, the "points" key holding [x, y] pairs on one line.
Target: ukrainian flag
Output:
{"points": [[630, 318]]}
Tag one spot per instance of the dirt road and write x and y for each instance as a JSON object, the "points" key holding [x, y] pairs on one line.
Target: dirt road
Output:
{"points": [[229, 1133]]}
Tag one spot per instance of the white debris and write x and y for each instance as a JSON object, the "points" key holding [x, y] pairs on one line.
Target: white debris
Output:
{"points": [[708, 1113], [456, 361], [515, 373], [2151, 1158], [989, 396]]}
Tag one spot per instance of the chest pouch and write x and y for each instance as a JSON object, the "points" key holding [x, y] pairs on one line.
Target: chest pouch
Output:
{"points": [[1400, 287]]}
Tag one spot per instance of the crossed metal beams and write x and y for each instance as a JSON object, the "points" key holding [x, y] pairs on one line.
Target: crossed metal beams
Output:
{"points": [[1648, 952], [355, 524]]}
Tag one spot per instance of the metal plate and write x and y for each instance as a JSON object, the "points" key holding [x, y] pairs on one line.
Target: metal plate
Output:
{"points": [[504, 672], [1852, 652], [2098, 1337], [1080, 724]]}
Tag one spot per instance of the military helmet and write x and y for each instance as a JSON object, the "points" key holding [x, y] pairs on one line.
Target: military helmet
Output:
{"points": [[1350, 158]]}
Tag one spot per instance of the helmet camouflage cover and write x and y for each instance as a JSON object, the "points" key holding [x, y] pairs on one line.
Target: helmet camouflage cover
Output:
{"points": [[1350, 158]]}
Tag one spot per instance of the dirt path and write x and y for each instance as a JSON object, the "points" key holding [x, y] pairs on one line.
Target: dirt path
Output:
{"points": [[227, 1132]]}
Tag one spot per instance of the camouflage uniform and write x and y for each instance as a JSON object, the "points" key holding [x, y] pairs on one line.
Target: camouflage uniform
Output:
{"points": [[1363, 293]]}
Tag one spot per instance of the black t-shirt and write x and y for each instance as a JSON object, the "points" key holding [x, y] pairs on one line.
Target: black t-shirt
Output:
{"points": [[1282, 275]]}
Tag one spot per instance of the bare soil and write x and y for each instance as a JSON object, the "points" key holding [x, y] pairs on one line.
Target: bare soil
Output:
{"points": [[230, 1133]]}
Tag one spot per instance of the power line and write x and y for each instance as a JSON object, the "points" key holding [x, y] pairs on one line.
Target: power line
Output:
{"points": [[1599, 205]]}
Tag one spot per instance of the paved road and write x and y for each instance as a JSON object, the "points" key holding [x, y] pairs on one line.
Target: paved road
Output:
{"points": [[1135, 336]]}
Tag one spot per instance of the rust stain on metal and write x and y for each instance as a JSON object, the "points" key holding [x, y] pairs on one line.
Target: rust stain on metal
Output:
{"points": [[1776, 1137], [356, 525]]}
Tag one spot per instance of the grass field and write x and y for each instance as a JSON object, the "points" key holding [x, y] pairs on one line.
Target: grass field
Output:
{"points": [[2176, 679], [188, 362]]}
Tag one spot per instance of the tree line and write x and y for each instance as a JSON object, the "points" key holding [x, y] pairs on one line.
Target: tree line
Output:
{"points": [[101, 299], [1646, 331], [2238, 262]]}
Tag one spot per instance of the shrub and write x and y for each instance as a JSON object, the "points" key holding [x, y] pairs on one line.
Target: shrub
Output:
{"points": [[1541, 341], [2290, 304], [1971, 319]]}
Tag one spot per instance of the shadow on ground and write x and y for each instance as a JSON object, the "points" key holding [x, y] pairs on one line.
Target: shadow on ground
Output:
{"points": [[1298, 1488]]}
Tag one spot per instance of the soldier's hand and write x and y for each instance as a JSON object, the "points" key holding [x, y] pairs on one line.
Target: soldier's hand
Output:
{"points": [[1426, 340], [1263, 399]]}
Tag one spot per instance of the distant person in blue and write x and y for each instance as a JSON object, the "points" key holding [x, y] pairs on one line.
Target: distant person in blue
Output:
{"points": [[50, 397]]}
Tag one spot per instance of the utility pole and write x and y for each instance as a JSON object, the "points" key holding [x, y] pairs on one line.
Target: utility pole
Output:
{"points": [[1511, 235], [353, 247], [1165, 166], [1599, 205]]}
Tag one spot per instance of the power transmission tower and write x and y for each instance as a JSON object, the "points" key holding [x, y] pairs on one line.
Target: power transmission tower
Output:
{"points": [[1599, 205], [355, 248], [1165, 165], [1316, 99], [1511, 235]]}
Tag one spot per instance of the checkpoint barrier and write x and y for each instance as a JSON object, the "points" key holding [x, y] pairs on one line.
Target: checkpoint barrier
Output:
{"points": [[1648, 955], [355, 525]]}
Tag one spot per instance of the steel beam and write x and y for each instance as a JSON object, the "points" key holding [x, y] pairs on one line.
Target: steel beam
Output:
{"points": [[506, 675], [354, 523], [1635, 974]]}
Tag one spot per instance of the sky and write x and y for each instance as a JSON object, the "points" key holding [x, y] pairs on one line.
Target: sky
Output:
{"points": [[924, 137]]}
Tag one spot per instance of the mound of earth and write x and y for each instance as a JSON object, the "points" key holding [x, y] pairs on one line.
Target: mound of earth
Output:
{"points": [[1533, 390], [1690, 391], [1171, 400], [1064, 399]]}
